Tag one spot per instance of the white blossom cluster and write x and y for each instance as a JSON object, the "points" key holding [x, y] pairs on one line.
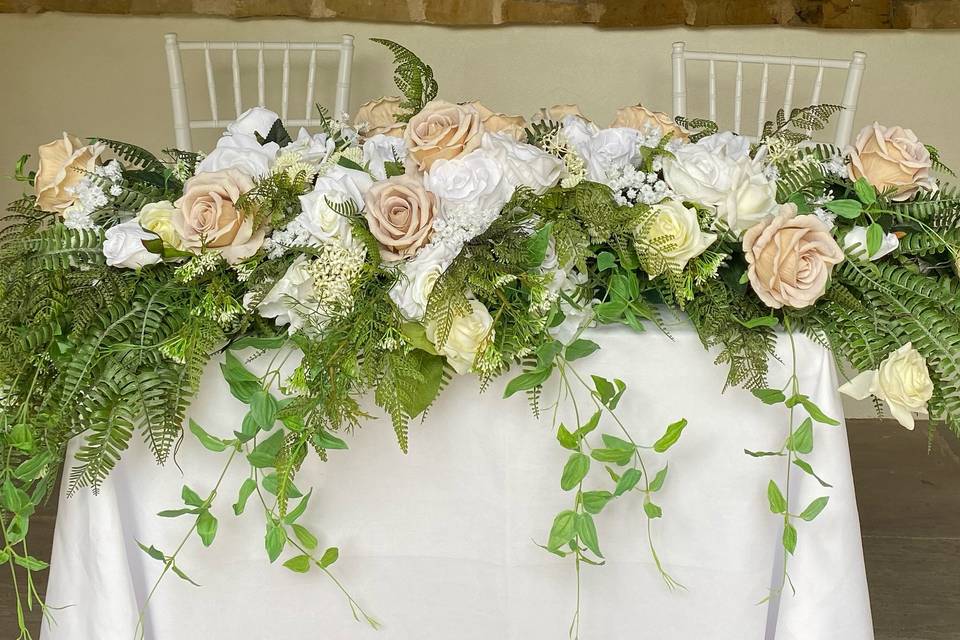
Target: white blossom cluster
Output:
{"points": [[334, 271], [835, 167], [632, 185], [90, 196]]}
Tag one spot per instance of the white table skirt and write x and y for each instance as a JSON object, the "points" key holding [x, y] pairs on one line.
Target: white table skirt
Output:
{"points": [[439, 543]]}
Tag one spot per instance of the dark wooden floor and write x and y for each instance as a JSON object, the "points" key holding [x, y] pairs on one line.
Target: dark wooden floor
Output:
{"points": [[909, 503]]}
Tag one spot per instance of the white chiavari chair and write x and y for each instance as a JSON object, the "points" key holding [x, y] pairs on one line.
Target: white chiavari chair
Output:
{"points": [[854, 68], [178, 92]]}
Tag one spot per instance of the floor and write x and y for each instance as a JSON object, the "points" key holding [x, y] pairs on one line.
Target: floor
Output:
{"points": [[909, 501]]}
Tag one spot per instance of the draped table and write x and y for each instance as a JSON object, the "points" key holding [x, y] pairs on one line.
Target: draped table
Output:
{"points": [[440, 543]]}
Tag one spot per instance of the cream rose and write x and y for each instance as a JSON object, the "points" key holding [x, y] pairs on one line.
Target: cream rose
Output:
{"points": [[558, 112], [207, 216], [400, 214], [494, 122], [442, 130], [62, 165], [679, 227], [902, 380], [639, 117], [123, 246], [752, 197], [891, 157], [380, 116], [790, 258], [465, 336], [158, 218]]}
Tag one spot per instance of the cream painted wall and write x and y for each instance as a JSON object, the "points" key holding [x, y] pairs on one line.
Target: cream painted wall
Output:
{"points": [[106, 76]]}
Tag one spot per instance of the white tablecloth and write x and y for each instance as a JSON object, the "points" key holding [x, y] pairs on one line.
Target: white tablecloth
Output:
{"points": [[439, 543]]}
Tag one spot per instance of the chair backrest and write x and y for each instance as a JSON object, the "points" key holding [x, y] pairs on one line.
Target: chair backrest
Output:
{"points": [[851, 91], [178, 92]]}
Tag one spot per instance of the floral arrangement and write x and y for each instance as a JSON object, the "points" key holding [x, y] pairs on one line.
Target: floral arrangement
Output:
{"points": [[427, 239]]}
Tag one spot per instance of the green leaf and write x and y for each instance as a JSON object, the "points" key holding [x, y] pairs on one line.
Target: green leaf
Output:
{"points": [[627, 481], [152, 551], [803, 464], [271, 484], [326, 440], [789, 537], [580, 349], [30, 563], [255, 342], [264, 454], [610, 311], [190, 497], [769, 396], [605, 389], [816, 413], [392, 168], [587, 532], [763, 321], [588, 426], [527, 380], [652, 510], [536, 247], [275, 540], [865, 191], [849, 209], [778, 504], [329, 557], [566, 439], [618, 456], [658, 479], [248, 428], [263, 407], [761, 454], [243, 384], [246, 490], [605, 260], [595, 501], [297, 511], [350, 164], [670, 437], [180, 574], [175, 513], [801, 440], [307, 539], [421, 393], [613, 442], [206, 527], [814, 508], [874, 239], [563, 530], [20, 436], [30, 468], [574, 471], [208, 441], [298, 564]]}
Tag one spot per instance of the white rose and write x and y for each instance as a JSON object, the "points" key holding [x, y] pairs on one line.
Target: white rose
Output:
{"points": [[858, 236], [751, 199], [240, 152], [578, 132], [380, 149], [417, 278], [291, 298], [699, 174], [313, 149], [338, 186], [523, 164], [123, 246], [609, 151], [902, 381], [473, 179], [679, 228], [252, 121], [575, 316], [728, 144], [466, 334]]}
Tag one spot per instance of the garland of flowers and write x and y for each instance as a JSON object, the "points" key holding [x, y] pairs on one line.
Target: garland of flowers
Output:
{"points": [[429, 239]]}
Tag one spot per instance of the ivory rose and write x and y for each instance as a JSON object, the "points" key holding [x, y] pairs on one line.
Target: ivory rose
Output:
{"points": [[62, 165], [790, 258], [417, 278], [158, 218], [380, 117], [891, 157], [442, 130], [902, 380], [639, 117], [494, 122], [703, 171], [679, 227], [207, 216], [400, 214], [752, 197], [466, 334]]}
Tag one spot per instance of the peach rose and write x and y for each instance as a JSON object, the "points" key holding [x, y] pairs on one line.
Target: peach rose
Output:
{"points": [[494, 122], [62, 165], [380, 116], [891, 157], [442, 130], [790, 258], [207, 216], [400, 214], [560, 111], [638, 117]]}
